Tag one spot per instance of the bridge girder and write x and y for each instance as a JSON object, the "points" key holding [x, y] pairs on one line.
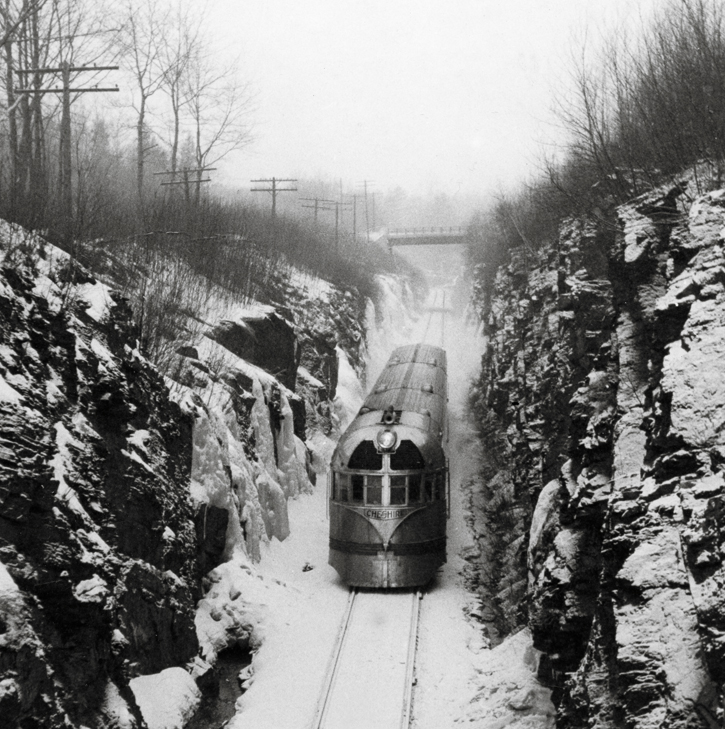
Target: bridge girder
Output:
{"points": [[426, 236]]}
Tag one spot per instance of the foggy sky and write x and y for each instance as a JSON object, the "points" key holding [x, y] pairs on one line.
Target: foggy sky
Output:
{"points": [[445, 95]]}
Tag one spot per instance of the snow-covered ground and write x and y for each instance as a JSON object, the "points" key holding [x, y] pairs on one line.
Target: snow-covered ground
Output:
{"points": [[293, 601]]}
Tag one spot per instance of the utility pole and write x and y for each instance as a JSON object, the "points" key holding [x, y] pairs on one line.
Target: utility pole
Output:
{"points": [[367, 218], [274, 190], [316, 206], [327, 205], [185, 181], [66, 173], [352, 202], [354, 218]]}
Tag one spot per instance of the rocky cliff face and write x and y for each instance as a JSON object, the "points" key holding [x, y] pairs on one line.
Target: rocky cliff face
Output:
{"points": [[121, 489], [97, 536], [603, 396]]}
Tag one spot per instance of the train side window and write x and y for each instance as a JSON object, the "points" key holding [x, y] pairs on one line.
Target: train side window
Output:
{"points": [[366, 457], [341, 486], [429, 484], [414, 492], [407, 457], [358, 487], [374, 490], [397, 490]]}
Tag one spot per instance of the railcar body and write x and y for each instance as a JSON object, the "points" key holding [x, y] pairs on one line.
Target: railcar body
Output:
{"points": [[389, 477]]}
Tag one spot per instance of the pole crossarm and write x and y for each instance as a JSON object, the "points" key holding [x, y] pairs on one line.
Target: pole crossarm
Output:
{"points": [[65, 151], [274, 189], [187, 182], [186, 171], [59, 69], [61, 90]]}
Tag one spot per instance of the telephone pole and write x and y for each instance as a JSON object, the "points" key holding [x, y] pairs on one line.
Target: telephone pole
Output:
{"points": [[327, 205], [352, 203], [316, 206], [185, 181], [365, 184], [66, 173], [274, 190]]}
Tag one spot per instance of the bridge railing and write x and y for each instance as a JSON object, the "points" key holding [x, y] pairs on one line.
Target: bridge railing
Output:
{"points": [[426, 232]]}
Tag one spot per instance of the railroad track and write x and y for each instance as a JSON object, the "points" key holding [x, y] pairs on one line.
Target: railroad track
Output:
{"points": [[438, 307], [369, 681]]}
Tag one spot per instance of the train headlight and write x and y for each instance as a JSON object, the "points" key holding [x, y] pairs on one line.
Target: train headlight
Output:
{"points": [[386, 440]]}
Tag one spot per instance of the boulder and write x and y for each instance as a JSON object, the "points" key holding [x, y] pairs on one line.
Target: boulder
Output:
{"points": [[266, 340]]}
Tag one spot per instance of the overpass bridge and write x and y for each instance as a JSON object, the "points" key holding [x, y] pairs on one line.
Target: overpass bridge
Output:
{"points": [[425, 236]]}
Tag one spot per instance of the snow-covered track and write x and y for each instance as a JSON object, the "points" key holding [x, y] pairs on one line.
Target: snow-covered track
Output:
{"points": [[369, 683], [437, 310]]}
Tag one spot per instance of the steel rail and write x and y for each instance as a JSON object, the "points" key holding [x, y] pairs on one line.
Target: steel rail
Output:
{"points": [[430, 315], [332, 668], [337, 653], [410, 661]]}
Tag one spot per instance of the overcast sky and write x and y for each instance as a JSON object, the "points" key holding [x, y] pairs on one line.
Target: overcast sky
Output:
{"points": [[449, 95]]}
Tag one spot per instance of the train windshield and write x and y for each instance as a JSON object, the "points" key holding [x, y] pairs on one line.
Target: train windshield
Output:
{"points": [[374, 490], [397, 490], [407, 457], [366, 457]]}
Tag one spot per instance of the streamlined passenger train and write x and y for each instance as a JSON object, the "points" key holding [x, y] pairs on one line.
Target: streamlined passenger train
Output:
{"points": [[389, 477]]}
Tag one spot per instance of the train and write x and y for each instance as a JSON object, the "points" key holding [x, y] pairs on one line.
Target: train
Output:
{"points": [[389, 484]]}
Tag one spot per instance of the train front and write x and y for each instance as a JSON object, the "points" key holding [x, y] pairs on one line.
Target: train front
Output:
{"points": [[388, 499]]}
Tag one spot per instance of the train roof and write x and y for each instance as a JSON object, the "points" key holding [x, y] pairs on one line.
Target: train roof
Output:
{"points": [[414, 380], [414, 385]]}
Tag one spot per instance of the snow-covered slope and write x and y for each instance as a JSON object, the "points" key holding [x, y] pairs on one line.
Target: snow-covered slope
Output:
{"points": [[122, 489]]}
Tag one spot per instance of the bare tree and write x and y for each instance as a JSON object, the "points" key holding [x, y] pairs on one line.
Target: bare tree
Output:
{"points": [[181, 44], [219, 105], [141, 45]]}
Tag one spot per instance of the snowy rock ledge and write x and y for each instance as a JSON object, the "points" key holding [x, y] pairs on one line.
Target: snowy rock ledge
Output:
{"points": [[124, 496], [603, 390]]}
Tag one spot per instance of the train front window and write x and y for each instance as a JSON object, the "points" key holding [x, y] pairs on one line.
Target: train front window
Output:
{"points": [[366, 457], [407, 457], [374, 490], [414, 492], [358, 487], [397, 490]]}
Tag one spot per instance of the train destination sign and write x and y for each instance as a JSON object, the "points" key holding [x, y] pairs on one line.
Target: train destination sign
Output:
{"points": [[386, 513]]}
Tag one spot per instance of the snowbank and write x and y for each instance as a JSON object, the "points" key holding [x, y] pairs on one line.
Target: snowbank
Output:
{"points": [[168, 699]]}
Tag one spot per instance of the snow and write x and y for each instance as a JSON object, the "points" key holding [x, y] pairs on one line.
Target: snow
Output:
{"points": [[509, 696], [137, 459], [138, 438], [371, 677], [349, 395], [59, 463], [8, 393], [94, 589], [289, 605], [303, 374], [97, 297], [7, 583], [167, 699], [116, 708]]}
